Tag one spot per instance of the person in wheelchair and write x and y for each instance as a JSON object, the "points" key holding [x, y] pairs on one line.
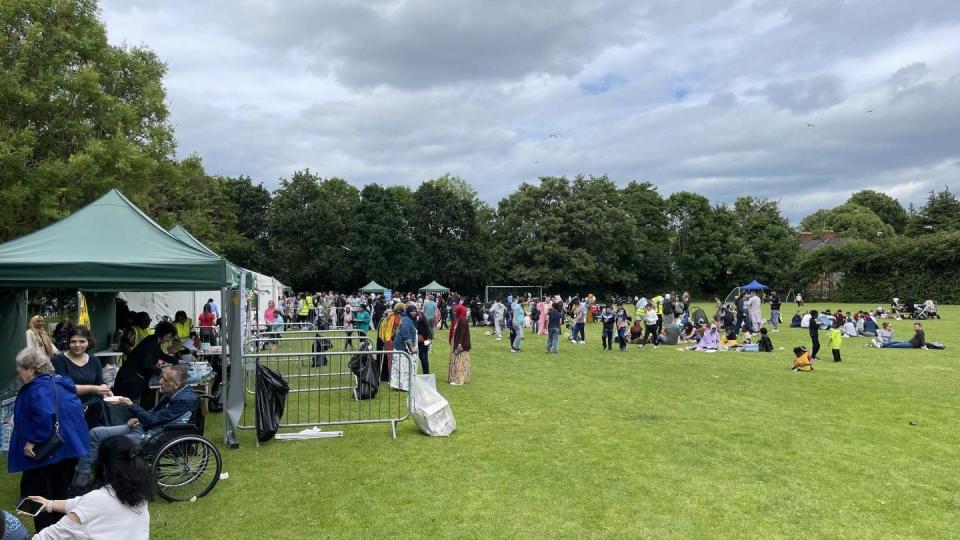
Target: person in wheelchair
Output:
{"points": [[176, 407]]}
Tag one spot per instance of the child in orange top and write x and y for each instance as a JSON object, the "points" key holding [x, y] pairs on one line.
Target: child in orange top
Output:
{"points": [[802, 361]]}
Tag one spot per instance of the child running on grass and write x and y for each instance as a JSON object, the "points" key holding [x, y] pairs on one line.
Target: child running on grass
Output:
{"points": [[835, 339], [802, 362]]}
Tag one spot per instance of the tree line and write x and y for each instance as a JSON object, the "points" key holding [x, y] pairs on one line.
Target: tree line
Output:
{"points": [[79, 116]]}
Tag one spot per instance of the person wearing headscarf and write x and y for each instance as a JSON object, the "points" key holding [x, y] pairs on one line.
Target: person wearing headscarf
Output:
{"points": [[386, 330], [458, 371], [710, 340], [543, 307], [405, 340], [424, 333], [38, 338]]}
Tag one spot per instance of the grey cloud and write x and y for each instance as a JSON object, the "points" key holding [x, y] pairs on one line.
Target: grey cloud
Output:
{"points": [[398, 92], [804, 95]]}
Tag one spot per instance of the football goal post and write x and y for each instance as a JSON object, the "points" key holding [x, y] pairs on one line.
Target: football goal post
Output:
{"points": [[492, 292]]}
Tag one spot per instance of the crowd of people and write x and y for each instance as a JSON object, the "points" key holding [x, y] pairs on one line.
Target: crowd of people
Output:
{"points": [[64, 386]]}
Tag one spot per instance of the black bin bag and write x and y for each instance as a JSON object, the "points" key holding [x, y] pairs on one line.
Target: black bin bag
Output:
{"points": [[271, 394], [364, 366]]}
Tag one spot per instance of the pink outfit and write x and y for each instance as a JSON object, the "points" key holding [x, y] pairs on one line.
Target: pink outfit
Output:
{"points": [[542, 306]]}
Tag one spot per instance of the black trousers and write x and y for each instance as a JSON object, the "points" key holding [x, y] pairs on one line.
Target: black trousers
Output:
{"points": [[650, 334], [836, 355], [423, 351], [607, 338], [815, 346], [50, 482]]}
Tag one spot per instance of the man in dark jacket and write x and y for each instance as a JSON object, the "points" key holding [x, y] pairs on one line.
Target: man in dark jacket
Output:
{"points": [[177, 407]]}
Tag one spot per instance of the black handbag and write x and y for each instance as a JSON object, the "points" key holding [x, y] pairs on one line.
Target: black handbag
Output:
{"points": [[44, 450]]}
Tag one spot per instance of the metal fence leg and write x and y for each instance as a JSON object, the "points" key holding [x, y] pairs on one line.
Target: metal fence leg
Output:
{"points": [[393, 427]]}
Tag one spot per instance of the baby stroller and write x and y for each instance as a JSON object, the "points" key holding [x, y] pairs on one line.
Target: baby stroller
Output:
{"points": [[926, 310]]}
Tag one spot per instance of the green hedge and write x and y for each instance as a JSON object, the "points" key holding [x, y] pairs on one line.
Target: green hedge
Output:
{"points": [[910, 268]]}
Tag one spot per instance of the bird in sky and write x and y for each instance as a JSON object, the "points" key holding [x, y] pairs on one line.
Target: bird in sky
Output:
{"points": [[811, 125], [552, 136]]}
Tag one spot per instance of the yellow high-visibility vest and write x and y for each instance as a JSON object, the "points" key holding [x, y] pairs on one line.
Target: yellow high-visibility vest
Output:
{"points": [[183, 329]]}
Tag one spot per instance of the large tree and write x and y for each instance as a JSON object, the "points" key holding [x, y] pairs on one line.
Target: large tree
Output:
{"points": [[848, 220], [767, 247], [941, 213], [699, 243], [386, 251], [888, 209], [77, 115], [313, 226], [451, 234]]}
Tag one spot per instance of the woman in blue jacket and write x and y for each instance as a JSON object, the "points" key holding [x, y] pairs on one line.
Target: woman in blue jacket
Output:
{"points": [[43, 397]]}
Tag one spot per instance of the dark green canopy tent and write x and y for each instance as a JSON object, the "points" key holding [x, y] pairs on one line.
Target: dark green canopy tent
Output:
{"points": [[433, 286], [108, 246], [373, 287]]}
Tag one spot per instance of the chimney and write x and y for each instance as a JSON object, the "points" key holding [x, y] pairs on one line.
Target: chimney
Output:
{"points": [[805, 237], [828, 235]]}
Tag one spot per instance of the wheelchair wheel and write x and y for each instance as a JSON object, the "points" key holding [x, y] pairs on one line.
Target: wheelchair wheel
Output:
{"points": [[186, 467]]}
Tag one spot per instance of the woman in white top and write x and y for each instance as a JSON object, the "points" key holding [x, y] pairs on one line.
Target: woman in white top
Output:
{"points": [[38, 338], [118, 509]]}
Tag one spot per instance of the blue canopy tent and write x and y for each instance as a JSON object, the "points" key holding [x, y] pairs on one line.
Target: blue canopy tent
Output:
{"points": [[754, 286]]}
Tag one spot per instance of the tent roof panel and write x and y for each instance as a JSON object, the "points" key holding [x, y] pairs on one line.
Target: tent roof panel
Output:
{"points": [[108, 245]]}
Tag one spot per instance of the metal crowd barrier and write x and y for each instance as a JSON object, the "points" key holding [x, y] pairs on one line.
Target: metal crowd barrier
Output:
{"points": [[323, 390], [303, 347]]}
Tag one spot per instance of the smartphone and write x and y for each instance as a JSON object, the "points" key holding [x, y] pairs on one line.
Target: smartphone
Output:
{"points": [[28, 506]]}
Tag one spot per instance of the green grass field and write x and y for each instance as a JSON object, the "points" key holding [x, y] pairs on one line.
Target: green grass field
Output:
{"points": [[647, 443]]}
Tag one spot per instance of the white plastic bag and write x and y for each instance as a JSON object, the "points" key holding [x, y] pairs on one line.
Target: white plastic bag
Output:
{"points": [[431, 411]]}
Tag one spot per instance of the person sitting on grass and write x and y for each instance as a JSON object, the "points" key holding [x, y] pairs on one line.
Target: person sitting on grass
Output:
{"points": [[710, 340], [849, 328], [801, 361], [762, 345], [729, 341], [669, 335], [918, 341], [636, 332], [869, 325], [689, 333], [825, 320], [884, 336]]}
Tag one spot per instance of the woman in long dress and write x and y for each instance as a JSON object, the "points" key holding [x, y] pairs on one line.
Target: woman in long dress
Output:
{"points": [[543, 308], [385, 331], [405, 340], [458, 371]]}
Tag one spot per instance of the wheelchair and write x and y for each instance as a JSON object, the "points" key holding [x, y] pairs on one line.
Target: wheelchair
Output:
{"points": [[184, 463]]}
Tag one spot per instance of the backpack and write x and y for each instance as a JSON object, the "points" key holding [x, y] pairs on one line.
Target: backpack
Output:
{"points": [[795, 321]]}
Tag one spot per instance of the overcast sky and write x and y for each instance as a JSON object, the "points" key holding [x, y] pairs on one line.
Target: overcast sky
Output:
{"points": [[808, 101]]}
